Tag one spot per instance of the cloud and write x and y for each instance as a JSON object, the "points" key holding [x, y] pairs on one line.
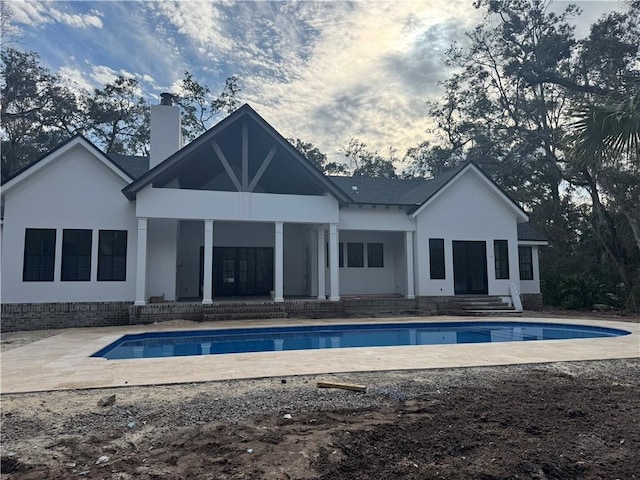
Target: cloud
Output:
{"points": [[40, 13], [78, 21], [320, 71], [101, 74], [199, 21], [97, 76], [75, 77], [591, 11], [362, 69]]}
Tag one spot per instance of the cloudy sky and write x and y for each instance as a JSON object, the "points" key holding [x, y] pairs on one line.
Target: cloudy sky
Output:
{"points": [[320, 71]]}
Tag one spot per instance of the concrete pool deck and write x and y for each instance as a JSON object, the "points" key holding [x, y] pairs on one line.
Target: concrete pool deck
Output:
{"points": [[63, 362]]}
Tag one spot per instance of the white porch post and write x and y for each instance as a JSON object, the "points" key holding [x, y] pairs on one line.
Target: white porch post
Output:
{"points": [[207, 284], [321, 264], [278, 260], [141, 264], [334, 295], [409, 257]]}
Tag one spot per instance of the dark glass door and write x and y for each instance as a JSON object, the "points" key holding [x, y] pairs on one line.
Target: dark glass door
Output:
{"points": [[240, 271], [470, 268]]}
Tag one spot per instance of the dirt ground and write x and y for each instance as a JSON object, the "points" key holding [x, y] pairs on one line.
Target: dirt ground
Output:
{"points": [[578, 420], [555, 421]]}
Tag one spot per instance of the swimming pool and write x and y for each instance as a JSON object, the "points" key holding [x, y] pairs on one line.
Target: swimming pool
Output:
{"points": [[245, 340]]}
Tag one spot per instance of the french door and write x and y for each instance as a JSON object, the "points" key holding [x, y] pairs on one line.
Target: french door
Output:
{"points": [[240, 271], [470, 268]]}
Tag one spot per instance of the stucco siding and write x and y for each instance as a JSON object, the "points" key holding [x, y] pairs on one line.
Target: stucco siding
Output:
{"points": [[532, 286], [162, 245], [76, 191], [190, 239], [296, 260], [372, 280], [379, 218], [235, 206], [468, 210]]}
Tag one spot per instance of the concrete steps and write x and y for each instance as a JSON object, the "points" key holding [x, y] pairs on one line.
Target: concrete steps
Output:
{"points": [[477, 305], [348, 306]]}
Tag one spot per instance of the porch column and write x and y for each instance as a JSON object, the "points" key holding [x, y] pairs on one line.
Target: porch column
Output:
{"points": [[278, 260], [409, 257], [141, 264], [207, 283], [334, 295], [321, 264]]}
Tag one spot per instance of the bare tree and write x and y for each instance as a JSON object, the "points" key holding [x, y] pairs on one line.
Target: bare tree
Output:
{"points": [[10, 34]]}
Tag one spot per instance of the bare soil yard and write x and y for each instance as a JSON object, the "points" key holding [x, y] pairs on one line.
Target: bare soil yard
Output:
{"points": [[554, 421]]}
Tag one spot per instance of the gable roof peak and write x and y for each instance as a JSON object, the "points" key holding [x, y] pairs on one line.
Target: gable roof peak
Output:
{"points": [[173, 162], [53, 154]]}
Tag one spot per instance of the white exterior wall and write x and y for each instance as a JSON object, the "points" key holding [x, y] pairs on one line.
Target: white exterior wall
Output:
{"points": [[296, 261], [76, 191], [166, 133], [532, 286], [466, 210], [380, 218], [162, 247], [190, 239], [372, 280], [367, 224], [235, 206]]}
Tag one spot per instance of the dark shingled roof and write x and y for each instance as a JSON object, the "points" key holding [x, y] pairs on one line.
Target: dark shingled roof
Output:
{"points": [[527, 232], [392, 191], [133, 166]]}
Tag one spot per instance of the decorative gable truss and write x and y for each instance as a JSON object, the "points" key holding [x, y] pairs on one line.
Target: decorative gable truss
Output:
{"points": [[242, 184], [242, 153]]}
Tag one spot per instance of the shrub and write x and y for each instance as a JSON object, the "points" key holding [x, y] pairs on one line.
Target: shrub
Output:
{"points": [[578, 292]]}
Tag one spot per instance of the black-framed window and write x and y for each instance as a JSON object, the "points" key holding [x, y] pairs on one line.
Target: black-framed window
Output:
{"points": [[112, 256], [501, 256], [355, 255], [375, 255], [340, 254], [76, 255], [39, 254], [436, 258], [526, 263]]}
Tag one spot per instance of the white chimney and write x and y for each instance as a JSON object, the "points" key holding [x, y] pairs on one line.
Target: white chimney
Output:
{"points": [[166, 130]]}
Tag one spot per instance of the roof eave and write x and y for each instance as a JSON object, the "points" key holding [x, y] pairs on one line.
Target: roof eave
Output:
{"points": [[61, 149], [520, 213]]}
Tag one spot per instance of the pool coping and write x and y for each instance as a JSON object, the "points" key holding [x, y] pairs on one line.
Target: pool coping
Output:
{"points": [[63, 362]]}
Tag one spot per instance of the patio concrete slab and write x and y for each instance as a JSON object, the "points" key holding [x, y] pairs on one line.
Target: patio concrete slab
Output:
{"points": [[63, 362]]}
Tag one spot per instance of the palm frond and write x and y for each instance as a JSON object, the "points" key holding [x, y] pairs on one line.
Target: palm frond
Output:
{"points": [[609, 129]]}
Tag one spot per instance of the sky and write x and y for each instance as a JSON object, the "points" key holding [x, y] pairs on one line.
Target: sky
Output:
{"points": [[324, 72]]}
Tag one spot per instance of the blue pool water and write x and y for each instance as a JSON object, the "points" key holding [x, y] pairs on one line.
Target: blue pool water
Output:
{"points": [[242, 340]]}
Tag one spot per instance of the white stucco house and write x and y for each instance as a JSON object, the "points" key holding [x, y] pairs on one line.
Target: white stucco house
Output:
{"points": [[239, 212]]}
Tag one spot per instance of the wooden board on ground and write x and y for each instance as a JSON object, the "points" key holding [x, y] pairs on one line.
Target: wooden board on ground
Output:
{"points": [[344, 386]]}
